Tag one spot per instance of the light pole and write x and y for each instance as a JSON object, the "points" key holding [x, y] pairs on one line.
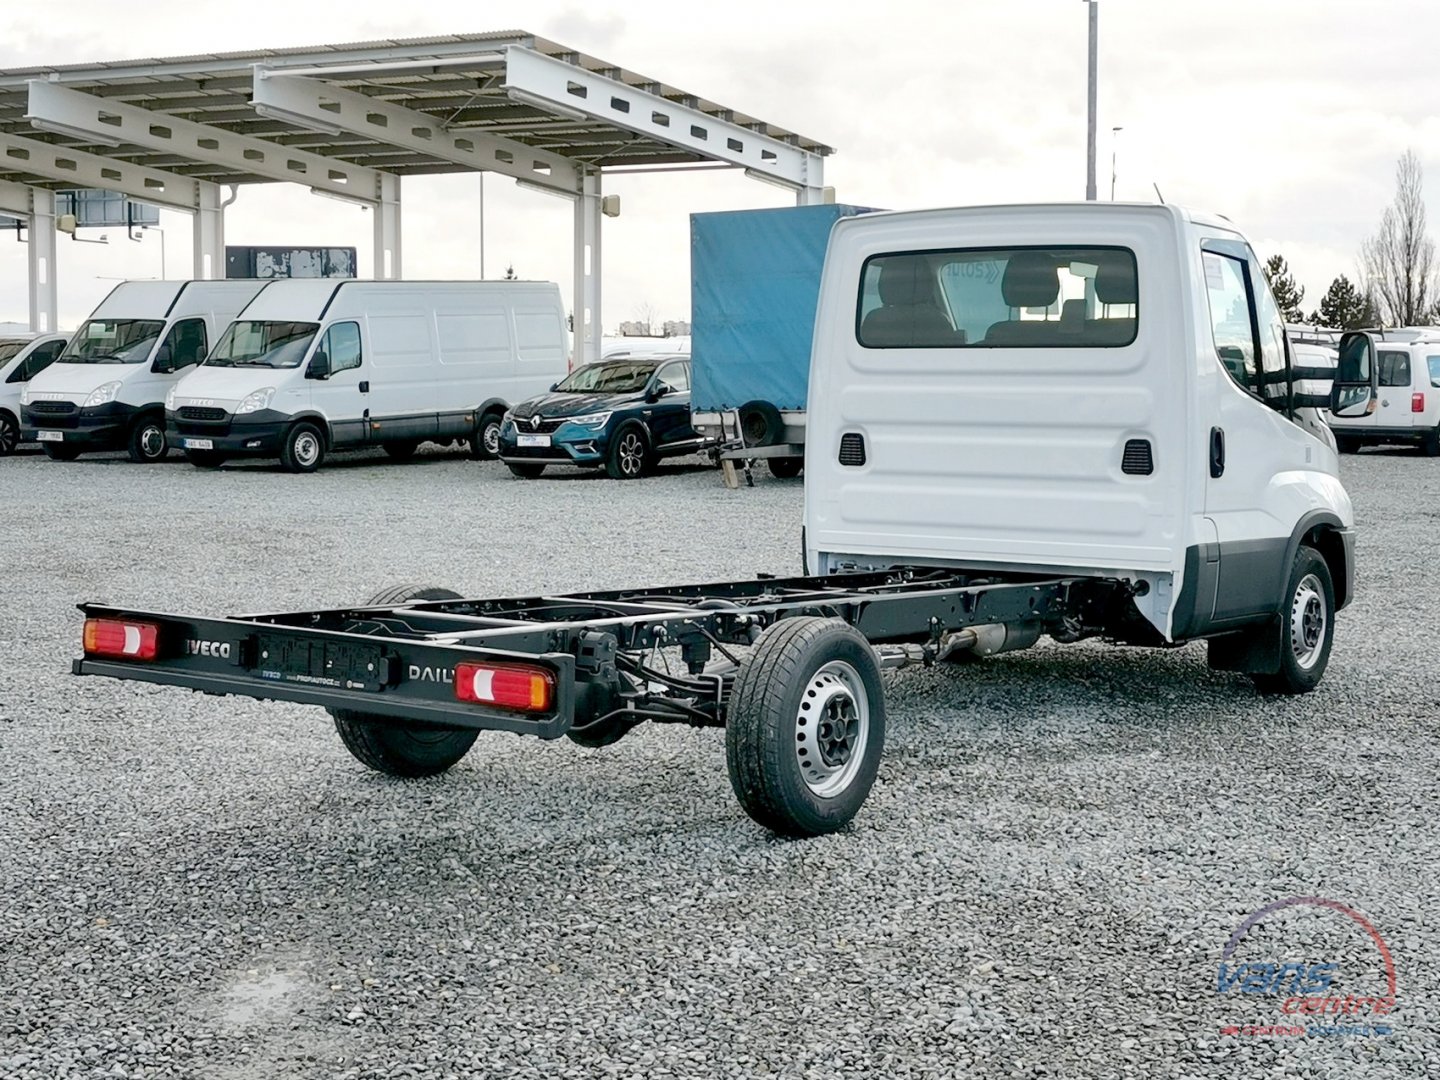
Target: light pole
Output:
{"points": [[1090, 127], [1114, 131]]}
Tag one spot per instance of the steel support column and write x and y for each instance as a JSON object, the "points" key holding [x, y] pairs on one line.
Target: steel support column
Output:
{"points": [[387, 229], [37, 207], [209, 231], [587, 270]]}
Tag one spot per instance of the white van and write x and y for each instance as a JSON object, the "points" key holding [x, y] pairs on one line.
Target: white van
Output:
{"points": [[107, 390], [313, 366], [1408, 407], [22, 357]]}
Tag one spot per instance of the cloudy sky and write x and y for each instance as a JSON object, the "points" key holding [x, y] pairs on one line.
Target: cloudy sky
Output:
{"points": [[1280, 114]]}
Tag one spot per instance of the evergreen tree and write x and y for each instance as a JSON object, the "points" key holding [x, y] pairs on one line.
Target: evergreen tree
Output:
{"points": [[1288, 295], [1344, 307]]}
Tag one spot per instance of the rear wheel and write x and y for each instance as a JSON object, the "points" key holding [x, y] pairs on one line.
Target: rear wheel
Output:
{"points": [[629, 455], [485, 443], [303, 449], [805, 726], [525, 471], [1306, 627], [205, 459], [785, 468], [60, 452], [147, 440], [1431, 443], [402, 450], [1347, 444], [395, 747], [9, 433]]}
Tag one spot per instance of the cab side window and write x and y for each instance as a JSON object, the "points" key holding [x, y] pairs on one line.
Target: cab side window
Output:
{"points": [[342, 344], [186, 343], [1274, 364], [1394, 368], [1231, 307], [676, 377], [37, 361]]}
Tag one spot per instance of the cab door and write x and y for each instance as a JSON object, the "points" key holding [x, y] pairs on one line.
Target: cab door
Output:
{"points": [[670, 413], [339, 383]]}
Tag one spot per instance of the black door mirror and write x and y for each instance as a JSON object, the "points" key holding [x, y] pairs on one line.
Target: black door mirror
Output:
{"points": [[164, 361], [554, 386], [1357, 377], [319, 366]]}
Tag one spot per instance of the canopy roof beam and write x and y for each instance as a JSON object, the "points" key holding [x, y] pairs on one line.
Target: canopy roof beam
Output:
{"points": [[79, 115], [332, 109], [75, 168]]}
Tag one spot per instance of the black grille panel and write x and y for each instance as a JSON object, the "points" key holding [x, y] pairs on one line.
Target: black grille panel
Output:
{"points": [[53, 408], [526, 425], [199, 412], [852, 448], [1137, 460]]}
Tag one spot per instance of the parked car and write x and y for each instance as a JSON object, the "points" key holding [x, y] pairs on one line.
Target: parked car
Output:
{"points": [[619, 415], [312, 366], [1408, 407], [22, 357]]}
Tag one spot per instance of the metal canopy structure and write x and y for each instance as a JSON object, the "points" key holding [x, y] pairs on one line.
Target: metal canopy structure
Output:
{"points": [[351, 121]]}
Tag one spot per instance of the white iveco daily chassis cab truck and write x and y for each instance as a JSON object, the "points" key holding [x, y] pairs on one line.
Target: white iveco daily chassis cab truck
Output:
{"points": [[1071, 421]]}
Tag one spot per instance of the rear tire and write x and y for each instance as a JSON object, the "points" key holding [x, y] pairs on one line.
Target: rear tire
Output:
{"points": [[805, 726], [402, 450], [205, 459], [395, 747], [760, 423], [147, 441], [1306, 627], [485, 443], [60, 452], [1347, 444], [9, 434], [785, 468], [1430, 446], [629, 455], [303, 449], [524, 471]]}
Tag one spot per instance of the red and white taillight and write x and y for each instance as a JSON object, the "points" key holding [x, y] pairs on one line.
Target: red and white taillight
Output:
{"points": [[1417, 402], [523, 687], [121, 639]]}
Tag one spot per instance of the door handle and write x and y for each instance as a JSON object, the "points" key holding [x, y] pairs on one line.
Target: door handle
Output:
{"points": [[1217, 452], [365, 386]]}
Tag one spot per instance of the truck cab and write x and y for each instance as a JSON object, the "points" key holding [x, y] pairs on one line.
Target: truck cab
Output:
{"points": [[1099, 389], [22, 357], [107, 389]]}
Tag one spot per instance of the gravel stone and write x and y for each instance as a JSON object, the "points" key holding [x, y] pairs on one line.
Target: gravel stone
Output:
{"points": [[1059, 844]]}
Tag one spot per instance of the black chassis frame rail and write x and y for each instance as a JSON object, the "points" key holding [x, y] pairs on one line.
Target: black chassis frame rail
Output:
{"points": [[399, 661]]}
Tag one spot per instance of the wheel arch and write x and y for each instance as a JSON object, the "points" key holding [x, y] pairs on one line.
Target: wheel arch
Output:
{"points": [[1326, 533], [492, 405], [318, 419]]}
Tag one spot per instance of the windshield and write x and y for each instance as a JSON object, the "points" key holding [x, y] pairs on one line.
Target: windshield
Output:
{"points": [[624, 377], [263, 344], [10, 348], [113, 341]]}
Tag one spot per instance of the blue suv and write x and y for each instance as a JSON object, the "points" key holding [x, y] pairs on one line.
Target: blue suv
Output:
{"points": [[621, 415]]}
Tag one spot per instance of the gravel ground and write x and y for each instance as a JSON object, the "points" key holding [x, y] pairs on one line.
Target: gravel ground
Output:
{"points": [[1058, 847]]}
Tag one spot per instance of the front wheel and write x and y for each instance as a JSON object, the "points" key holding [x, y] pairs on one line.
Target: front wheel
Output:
{"points": [[1306, 627], [303, 449], [147, 441], [805, 726], [629, 455], [9, 434]]}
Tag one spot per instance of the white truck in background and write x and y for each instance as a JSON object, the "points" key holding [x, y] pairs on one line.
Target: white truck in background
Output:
{"points": [[979, 474], [22, 357], [107, 390]]}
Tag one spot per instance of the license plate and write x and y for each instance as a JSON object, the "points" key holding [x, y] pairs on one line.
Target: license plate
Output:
{"points": [[337, 665], [532, 440], [199, 444], [49, 436]]}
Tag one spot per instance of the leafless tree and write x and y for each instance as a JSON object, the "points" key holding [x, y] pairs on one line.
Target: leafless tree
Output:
{"points": [[645, 314], [1399, 260]]}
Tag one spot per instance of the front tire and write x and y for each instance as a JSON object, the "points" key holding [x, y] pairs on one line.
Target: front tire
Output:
{"points": [[1306, 627], [147, 441], [629, 455], [303, 449], [805, 726], [9, 434], [394, 747]]}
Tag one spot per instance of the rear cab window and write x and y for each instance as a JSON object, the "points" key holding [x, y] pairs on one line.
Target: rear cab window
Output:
{"points": [[1434, 364], [1029, 297], [1394, 368]]}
